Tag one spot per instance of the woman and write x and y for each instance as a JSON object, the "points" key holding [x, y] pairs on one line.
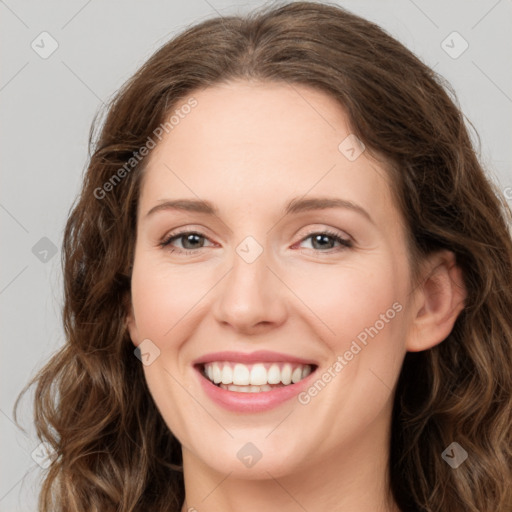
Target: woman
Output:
{"points": [[340, 337]]}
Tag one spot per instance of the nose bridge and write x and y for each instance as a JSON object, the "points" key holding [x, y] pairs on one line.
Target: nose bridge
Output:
{"points": [[248, 278], [250, 294]]}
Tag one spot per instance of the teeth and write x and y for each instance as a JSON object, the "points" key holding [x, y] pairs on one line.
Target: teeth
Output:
{"points": [[227, 374], [274, 375], [297, 374], [258, 375], [217, 374], [286, 374], [246, 389], [254, 378], [240, 375]]}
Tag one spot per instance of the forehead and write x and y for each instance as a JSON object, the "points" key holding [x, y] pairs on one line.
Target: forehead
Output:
{"points": [[248, 144]]}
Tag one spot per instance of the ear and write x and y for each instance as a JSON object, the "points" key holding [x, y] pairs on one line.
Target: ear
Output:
{"points": [[131, 324], [439, 299]]}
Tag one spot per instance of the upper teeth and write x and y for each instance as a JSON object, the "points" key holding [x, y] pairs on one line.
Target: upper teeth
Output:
{"points": [[256, 374]]}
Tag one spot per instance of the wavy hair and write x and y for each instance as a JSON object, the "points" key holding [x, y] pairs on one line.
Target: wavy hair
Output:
{"points": [[113, 451]]}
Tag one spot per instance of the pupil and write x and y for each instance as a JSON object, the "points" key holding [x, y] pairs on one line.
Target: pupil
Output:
{"points": [[321, 238], [189, 237]]}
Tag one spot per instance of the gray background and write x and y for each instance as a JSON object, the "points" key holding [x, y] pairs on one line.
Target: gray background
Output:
{"points": [[47, 108]]}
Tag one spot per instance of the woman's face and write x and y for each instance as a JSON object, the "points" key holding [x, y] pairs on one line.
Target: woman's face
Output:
{"points": [[301, 274]]}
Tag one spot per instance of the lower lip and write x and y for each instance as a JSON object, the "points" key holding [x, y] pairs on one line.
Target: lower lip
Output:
{"points": [[251, 402]]}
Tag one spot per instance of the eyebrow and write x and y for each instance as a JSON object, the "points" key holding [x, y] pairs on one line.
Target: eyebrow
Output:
{"points": [[296, 205]]}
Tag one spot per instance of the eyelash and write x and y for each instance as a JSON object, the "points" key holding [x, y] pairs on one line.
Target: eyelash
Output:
{"points": [[345, 243]]}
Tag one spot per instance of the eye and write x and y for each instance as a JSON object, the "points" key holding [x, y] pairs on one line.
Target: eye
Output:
{"points": [[325, 239], [190, 241]]}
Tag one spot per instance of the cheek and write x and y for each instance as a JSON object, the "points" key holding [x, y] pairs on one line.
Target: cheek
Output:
{"points": [[346, 299], [361, 318], [162, 297]]}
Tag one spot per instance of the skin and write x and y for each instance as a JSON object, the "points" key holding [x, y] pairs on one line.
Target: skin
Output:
{"points": [[249, 148]]}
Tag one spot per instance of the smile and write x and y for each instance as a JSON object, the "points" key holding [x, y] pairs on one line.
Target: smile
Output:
{"points": [[253, 382], [254, 378]]}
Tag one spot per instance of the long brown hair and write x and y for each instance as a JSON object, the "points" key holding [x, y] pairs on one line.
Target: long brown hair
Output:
{"points": [[113, 450]]}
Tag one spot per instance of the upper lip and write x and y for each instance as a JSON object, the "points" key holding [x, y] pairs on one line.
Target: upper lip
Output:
{"points": [[260, 356]]}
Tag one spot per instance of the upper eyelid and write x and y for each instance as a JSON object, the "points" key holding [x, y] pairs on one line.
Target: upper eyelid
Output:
{"points": [[200, 232]]}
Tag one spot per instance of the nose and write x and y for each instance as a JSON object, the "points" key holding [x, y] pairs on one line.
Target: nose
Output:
{"points": [[251, 298]]}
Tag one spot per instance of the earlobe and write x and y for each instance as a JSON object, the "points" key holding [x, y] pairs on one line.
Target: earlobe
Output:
{"points": [[439, 300]]}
